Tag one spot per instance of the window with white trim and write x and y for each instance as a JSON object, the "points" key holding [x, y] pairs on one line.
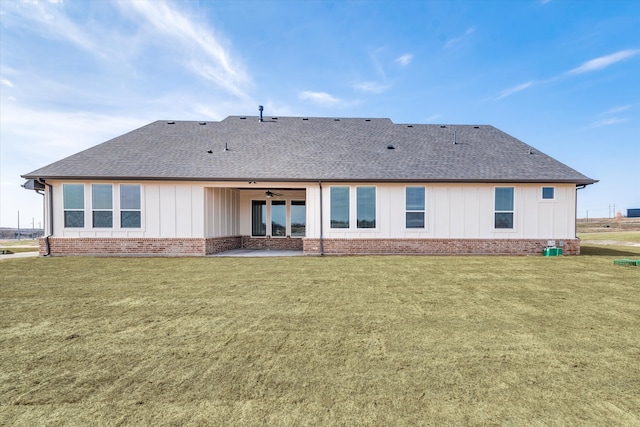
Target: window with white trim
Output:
{"points": [[503, 215], [298, 218], [278, 218], [102, 205], [130, 211], [339, 207], [366, 207], [73, 205], [415, 207], [548, 193]]}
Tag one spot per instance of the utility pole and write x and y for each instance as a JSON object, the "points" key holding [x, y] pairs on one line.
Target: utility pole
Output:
{"points": [[18, 225]]}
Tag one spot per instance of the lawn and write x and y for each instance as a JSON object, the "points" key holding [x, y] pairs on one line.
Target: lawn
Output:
{"points": [[389, 341], [625, 236]]}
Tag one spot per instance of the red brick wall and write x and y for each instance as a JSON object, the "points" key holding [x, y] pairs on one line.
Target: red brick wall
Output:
{"points": [[271, 243], [208, 246], [436, 246], [139, 246], [222, 244]]}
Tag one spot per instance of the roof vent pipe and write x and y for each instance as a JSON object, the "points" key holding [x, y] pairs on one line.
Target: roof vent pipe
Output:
{"points": [[455, 139], [260, 108]]}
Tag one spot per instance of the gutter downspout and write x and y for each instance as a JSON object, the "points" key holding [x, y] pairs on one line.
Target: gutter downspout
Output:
{"points": [[46, 239], [321, 221], [578, 187]]}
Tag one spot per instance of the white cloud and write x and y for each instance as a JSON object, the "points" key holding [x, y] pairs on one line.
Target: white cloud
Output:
{"points": [[405, 59], [371, 87], [607, 122], [514, 89], [320, 98], [616, 110], [6, 82], [206, 52], [603, 61], [451, 43]]}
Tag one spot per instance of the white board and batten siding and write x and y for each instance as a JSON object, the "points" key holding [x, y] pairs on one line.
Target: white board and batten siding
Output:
{"points": [[455, 211], [221, 209]]}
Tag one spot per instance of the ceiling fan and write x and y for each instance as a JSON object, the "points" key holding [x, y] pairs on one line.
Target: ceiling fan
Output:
{"points": [[270, 194]]}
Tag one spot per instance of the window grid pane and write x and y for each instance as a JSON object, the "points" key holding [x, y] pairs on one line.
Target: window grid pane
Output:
{"points": [[74, 219], [130, 196], [73, 195], [503, 220], [366, 207], [415, 220], [504, 198], [339, 207], [548, 192], [258, 217], [298, 218], [278, 218], [102, 219], [415, 198], [130, 219], [101, 196]]}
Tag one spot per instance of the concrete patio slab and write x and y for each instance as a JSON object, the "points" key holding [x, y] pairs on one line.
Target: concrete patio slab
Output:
{"points": [[256, 253]]}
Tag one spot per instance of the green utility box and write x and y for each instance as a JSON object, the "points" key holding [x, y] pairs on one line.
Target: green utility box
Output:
{"points": [[552, 252], [627, 262]]}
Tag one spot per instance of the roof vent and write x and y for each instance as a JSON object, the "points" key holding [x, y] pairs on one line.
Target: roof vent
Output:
{"points": [[476, 127], [530, 150], [409, 126], [274, 118], [306, 118], [336, 120], [202, 123], [367, 120], [209, 151], [171, 123], [390, 147], [226, 147], [455, 139], [243, 118], [260, 108], [442, 126]]}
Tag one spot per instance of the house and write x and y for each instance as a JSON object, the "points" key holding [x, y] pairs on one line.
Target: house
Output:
{"points": [[320, 185]]}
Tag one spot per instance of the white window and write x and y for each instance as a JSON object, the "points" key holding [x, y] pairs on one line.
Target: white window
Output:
{"points": [[503, 215], [130, 211], [278, 218], [339, 207], [73, 204], [298, 218], [366, 207], [102, 205], [415, 207]]}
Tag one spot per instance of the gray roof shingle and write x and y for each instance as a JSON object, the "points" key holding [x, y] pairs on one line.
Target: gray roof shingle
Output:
{"points": [[312, 149]]}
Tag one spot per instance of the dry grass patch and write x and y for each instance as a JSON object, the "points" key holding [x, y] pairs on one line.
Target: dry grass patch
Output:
{"points": [[320, 341]]}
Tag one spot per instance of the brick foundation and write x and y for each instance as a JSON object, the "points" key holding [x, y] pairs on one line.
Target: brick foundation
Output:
{"points": [[436, 246], [209, 246], [272, 243], [139, 246]]}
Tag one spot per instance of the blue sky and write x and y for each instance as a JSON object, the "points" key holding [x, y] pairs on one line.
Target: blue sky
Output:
{"points": [[563, 76]]}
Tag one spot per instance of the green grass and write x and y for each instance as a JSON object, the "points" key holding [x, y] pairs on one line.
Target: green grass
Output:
{"points": [[389, 341], [15, 250], [627, 236], [11, 243]]}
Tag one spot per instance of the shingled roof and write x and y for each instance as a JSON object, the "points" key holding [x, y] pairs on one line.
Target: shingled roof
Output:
{"points": [[312, 149]]}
